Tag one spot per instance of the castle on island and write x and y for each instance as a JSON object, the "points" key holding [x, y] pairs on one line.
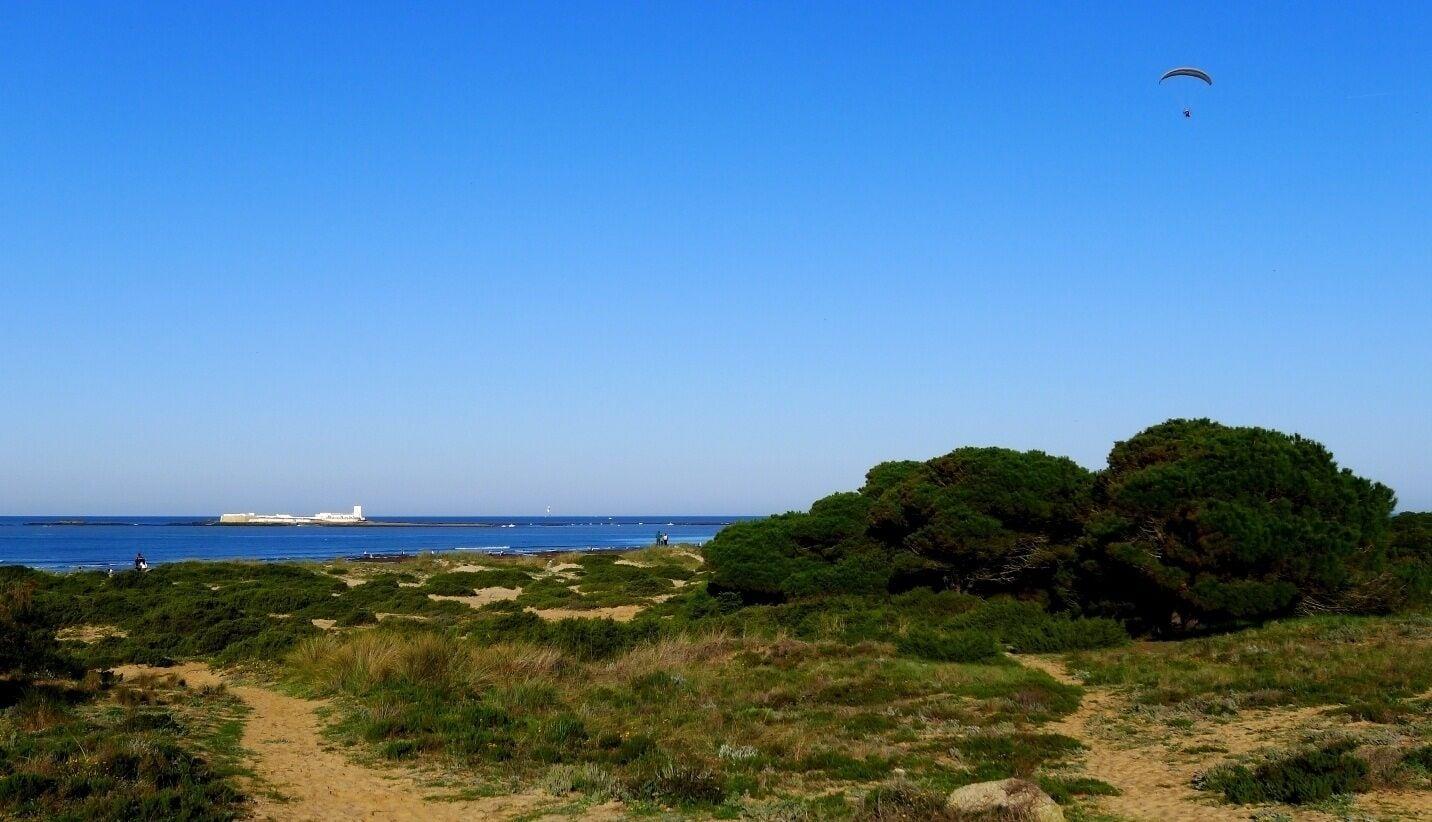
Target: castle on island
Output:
{"points": [[355, 518]]}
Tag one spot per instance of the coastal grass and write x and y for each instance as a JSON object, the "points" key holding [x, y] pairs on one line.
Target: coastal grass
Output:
{"points": [[97, 750], [826, 707], [690, 720], [1372, 665]]}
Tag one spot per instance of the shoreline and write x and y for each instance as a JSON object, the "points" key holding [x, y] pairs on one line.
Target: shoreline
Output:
{"points": [[393, 557]]}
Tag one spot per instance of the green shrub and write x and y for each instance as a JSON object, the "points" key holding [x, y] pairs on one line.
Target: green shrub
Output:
{"points": [[1310, 776], [902, 801], [949, 646], [356, 617], [1064, 789], [1000, 756], [84, 767], [1419, 757], [463, 583], [1205, 523], [27, 632], [1404, 578], [1194, 525], [682, 786], [595, 638], [844, 766]]}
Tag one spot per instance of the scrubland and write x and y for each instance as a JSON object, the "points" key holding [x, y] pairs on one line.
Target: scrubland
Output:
{"points": [[699, 705]]}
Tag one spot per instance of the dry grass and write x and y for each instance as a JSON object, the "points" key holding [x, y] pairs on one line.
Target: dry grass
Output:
{"points": [[367, 660], [669, 654]]}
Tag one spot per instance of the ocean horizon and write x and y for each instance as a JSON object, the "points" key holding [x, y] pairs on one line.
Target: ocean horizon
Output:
{"points": [[100, 542]]}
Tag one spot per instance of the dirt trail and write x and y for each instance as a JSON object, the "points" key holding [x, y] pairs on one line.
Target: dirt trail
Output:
{"points": [[316, 782], [1155, 776]]}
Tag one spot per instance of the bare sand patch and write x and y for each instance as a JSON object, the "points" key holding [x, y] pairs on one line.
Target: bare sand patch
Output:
{"points": [[480, 597], [620, 613], [89, 633], [472, 569], [191, 674], [324, 624], [632, 564]]}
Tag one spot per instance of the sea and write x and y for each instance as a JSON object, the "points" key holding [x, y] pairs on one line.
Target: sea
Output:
{"points": [[74, 543]]}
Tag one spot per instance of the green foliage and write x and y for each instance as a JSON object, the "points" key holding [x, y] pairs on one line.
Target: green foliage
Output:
{"points": [[82, 764], [903, 801], [1017, 754], [356, 617], [1405, 578], [1326, 660], [1194, 525], [786, 555], [1019, 626], [1064, 789], [27, 631], [594, 638], [463, 583], [990, 518], [683, 786], [1309, 776], [1419, 758], [979, 519], [949, 646], [1205, 523]]}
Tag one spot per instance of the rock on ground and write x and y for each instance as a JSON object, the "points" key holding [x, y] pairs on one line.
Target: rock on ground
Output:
{"points": [[1017, 800]]}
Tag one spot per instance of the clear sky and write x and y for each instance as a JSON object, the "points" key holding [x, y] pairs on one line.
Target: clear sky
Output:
{"points": [[692, 258]]}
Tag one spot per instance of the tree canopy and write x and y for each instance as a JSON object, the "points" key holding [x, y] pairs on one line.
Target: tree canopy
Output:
{"points": [[1192, 523]]}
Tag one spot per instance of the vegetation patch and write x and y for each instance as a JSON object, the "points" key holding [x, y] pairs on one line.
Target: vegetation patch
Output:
{"points": [[1308, 776], [1325, 660], [74, 754]]}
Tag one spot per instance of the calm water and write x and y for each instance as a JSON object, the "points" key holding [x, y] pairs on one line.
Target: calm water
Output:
{"points": [[55, 542]]}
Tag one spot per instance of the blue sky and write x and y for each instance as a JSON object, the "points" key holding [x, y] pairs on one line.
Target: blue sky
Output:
{"points": [[638, 258]]}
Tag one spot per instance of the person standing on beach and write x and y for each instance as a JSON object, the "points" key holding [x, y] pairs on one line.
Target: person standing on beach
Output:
{"points": [[139, 563]]}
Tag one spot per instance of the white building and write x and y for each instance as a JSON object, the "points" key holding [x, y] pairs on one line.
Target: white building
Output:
{"points": [[325, 518]]}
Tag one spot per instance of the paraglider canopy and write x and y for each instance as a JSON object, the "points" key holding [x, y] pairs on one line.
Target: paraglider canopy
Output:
{"points": [[1187, 71]]}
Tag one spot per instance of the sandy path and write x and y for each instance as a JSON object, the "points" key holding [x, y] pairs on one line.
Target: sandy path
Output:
{"points": [[285, 737], [291, 757], [1156, 780]]}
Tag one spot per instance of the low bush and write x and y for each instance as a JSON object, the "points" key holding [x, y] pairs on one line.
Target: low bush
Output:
{"points": [[140, 763], [1296, 779], [949, 646], [902, 801], [356, 617], [682, 786], [1419, 758], [1064, 789], [1001, 756], [27, 631], [463, 583]]}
